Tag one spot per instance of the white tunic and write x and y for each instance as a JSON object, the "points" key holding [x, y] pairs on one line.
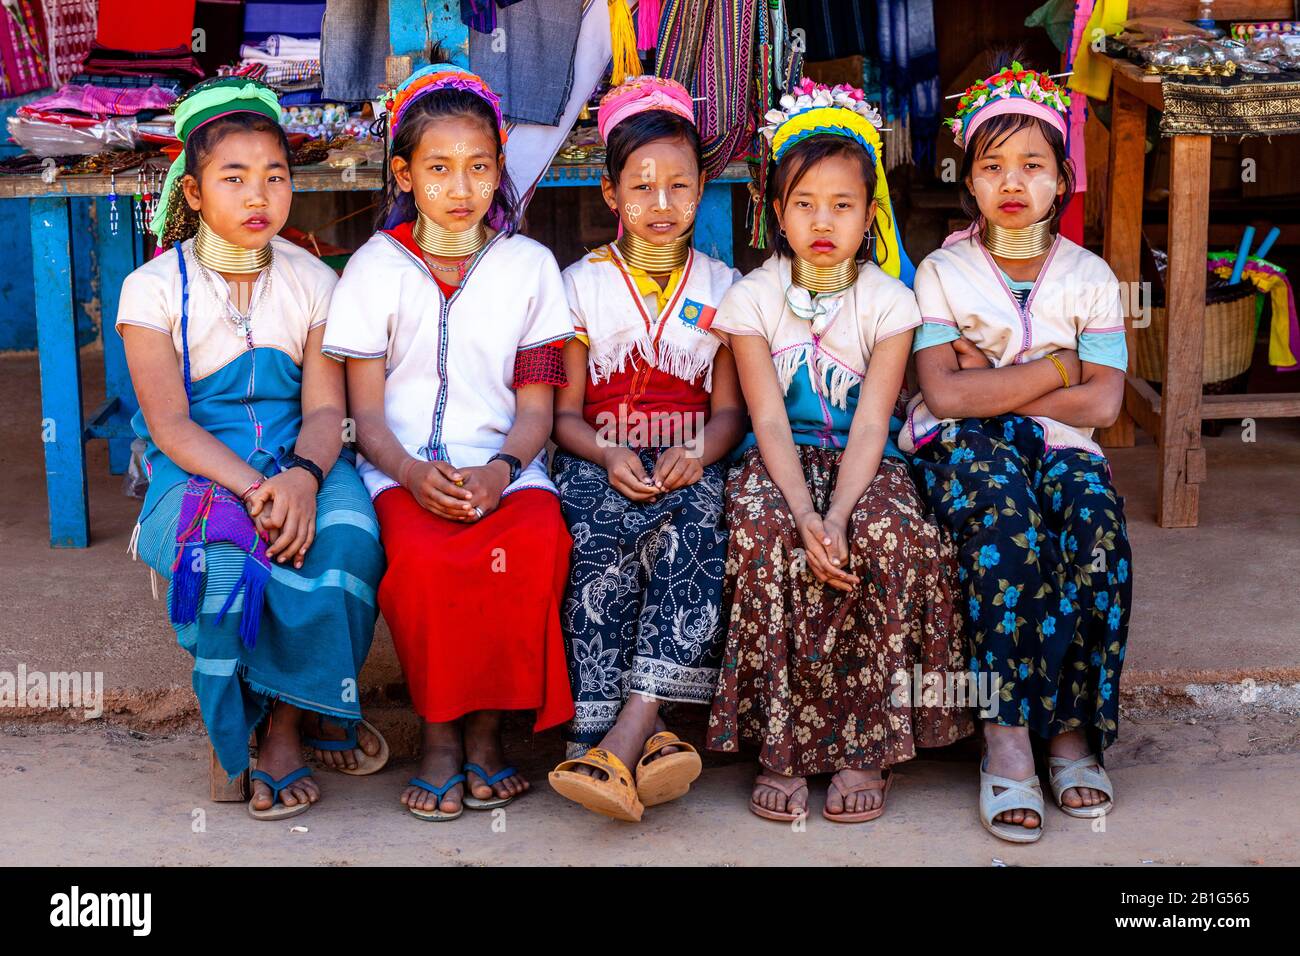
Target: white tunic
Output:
{"points": [[619, 323], [449, 362], [1075, 304]]}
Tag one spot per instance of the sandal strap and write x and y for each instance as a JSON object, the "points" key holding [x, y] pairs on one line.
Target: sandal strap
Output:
{"points": [[1087, 772], [1024, 794], [787, 785], [602, 760], [860, 787], [489, 779], [278, 786], [349, 741], [438, 792], [665, 738]]}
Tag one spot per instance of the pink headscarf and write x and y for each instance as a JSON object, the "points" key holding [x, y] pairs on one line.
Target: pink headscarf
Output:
{"points": [[639, 94]]}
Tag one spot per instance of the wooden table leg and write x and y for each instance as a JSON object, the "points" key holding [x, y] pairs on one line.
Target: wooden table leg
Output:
{"points": [[116, 257], [1182, 459], [713, 233], [1122, 242], [62, 426]]}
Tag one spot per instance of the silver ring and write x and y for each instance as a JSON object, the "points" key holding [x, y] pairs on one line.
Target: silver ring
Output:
{"points": [[478, 511]]}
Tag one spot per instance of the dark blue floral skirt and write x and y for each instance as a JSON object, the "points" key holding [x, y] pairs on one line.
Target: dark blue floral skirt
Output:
{"points": [[1046, 566]]}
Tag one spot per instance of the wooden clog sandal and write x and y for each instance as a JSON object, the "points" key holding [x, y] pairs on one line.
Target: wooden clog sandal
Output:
{"points": [[614, 796], [664, 778], [1064, 773], [788, 786], [1024, 794], [862, 816]]}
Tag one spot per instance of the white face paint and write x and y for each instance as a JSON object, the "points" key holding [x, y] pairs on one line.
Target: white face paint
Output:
{"points": [[633, 212], [689, 212], [663, 198], [432, 189], [459, 149], [485, 190]]}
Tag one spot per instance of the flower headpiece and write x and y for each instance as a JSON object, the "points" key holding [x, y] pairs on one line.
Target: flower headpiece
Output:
{"points": [[639, 95], [813, 109], [439, 76], [1013, 90]]}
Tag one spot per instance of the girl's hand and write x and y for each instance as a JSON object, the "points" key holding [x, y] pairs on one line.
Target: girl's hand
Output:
{"points": [[627, 476], [677, 468], [836, 528], [284, 511], [433, 486], [817, 541], [969, 355], [485, 484]]}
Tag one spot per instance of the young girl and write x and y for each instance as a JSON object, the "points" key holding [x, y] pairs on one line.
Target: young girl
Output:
{"points": [[1021, 355], [840, 588], [452, 326], [652, 406], [262, 527]]}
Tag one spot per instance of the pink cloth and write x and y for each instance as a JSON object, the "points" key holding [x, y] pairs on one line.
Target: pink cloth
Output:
{"points": [[997, 106], [104, 100], [639, 94]]}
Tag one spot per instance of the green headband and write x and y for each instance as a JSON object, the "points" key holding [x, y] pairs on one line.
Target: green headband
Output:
{"points": [[233, 95]]}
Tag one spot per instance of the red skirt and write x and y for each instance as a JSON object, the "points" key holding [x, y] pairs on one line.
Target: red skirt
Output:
{"points": [[475, 608]]}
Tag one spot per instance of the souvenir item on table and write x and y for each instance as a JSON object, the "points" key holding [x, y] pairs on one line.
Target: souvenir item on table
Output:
{"points": [[1248, 31], [60, 139]]}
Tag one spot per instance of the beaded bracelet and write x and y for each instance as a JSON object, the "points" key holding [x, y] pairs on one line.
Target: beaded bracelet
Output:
{"points": [[1060, 367]]}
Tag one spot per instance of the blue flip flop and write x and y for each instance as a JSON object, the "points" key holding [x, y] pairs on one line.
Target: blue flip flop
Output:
{"points": [[366, 764], [278, 810], [473, 802], [437, 814]]}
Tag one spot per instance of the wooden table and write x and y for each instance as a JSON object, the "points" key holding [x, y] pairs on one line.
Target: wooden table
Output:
{"points": [[1174, 416], [64, 428]]}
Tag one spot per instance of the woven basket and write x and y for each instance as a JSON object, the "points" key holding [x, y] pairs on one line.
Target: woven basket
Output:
{"points": [[1229, 337]]}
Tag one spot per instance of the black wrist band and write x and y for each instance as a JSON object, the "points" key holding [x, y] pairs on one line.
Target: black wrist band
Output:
{"points": [[313, 469]]}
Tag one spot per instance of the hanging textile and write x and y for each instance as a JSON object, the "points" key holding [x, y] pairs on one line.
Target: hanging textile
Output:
{"points": [[708, 47], [831, 29], [534, 80], [22, 49], [909, 78], [70, 29], [1092, 71], [354, 43]]}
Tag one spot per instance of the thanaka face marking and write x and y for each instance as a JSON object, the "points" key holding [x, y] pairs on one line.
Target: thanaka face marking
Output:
{"points": [[633, 212]]}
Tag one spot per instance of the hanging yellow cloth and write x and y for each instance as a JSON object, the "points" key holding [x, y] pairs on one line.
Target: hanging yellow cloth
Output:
{"points": [[622, 39], [1091, 75]]}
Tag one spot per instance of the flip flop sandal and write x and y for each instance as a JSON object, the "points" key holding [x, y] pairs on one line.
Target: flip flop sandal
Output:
{"points": [[437, 814], [861, 816], [787, 785], [278, 810], [474, 803], [1024, 794], [665, 778], [366, 764], [1084, 772], [615, 796]]}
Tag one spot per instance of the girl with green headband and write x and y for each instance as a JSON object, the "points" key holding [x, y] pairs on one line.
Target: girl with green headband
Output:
{"points": [[254, 514]]}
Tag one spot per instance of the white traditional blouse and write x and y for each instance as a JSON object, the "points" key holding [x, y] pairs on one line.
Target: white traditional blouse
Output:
{"points": [[451, 362], [1074, 304], [619, 323], [828, 338]]}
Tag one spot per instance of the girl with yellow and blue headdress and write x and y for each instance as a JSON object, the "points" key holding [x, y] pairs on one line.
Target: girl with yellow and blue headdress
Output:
{"points": [[821, 334], [254, 515]]}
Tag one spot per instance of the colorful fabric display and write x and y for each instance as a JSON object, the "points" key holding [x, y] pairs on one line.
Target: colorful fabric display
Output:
{"points": [[102, 101], [295, 18], [176, 62], [70, 27], [164, 26], [1271, 280], [354, 43], [23, 66]]}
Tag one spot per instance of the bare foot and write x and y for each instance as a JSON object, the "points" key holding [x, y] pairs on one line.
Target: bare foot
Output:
{"points": [[441, 760], [483, 747], [1072, 746], [279, 752], [1009, 755], [326, 729], [859, 802]]}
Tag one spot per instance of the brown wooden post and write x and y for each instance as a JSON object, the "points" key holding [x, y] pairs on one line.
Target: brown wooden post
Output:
{"points": [[221, 790], [1182, 459], [1122, 238]]}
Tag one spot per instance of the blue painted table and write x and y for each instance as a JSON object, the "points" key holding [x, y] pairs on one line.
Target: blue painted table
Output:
{"points": [[64, 428]]}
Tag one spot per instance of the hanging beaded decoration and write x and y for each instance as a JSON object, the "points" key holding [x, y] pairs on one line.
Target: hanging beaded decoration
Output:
{"points": [[136, 208], [112, 203]]}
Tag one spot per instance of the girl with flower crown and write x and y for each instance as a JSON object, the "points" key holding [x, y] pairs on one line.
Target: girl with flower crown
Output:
{"points": [[451, 325], [840, 588], [1021, 355], [651, 410], [254, 514]]}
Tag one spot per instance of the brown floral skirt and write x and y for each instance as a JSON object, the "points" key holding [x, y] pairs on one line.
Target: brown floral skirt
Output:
{"points": [[811, 675]]}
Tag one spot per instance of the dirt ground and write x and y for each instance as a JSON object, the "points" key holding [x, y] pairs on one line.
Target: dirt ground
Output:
{"points": [[1190, 791]]}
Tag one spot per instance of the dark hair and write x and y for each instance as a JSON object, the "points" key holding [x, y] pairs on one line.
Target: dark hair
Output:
{"points": [[798, 162], [641, 129], [182, 221], [399, 206], [993, 132]]}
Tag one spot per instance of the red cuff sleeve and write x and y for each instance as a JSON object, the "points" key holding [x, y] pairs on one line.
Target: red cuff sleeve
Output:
{"points": [[541, 365]]}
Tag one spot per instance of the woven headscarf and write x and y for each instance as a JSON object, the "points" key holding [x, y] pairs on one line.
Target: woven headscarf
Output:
{"points": [[639, 95], [813, 109], [207, 101]]}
